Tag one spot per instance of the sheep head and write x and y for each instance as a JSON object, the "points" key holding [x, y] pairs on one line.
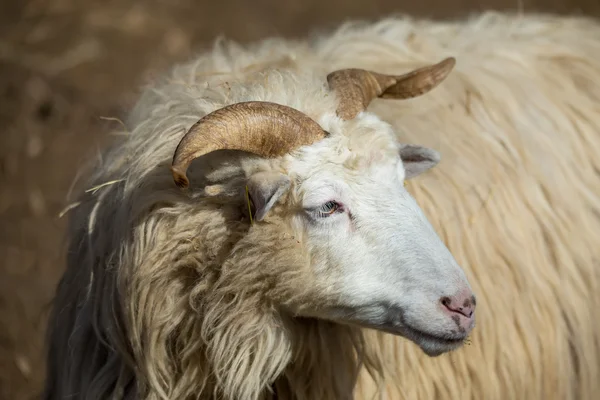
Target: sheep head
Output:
{"points": [[375, 260]]}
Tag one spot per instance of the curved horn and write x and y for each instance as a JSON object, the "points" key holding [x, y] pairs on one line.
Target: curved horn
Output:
{"points": [[358, 87], [262, 128]]}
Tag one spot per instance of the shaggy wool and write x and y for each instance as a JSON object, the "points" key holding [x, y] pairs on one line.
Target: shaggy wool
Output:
{"points": [[164, 295]]}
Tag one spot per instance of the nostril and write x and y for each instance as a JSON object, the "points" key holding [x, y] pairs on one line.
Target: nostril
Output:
{"points": [[459, 305], [446, 301]]}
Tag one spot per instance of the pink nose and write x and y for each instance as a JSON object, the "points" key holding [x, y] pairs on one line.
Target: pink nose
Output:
{"points": [[461, 307]]}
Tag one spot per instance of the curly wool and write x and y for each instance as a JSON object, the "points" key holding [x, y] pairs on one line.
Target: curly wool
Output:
{"points": [[165, 295]]}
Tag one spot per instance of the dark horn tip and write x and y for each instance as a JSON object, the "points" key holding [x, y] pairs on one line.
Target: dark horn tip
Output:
{"points": [[180, 178]]}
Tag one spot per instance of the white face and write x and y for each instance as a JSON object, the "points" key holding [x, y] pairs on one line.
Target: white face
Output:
{"points": [[373, 248]]}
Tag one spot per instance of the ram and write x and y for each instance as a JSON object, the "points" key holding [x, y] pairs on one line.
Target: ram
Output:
{"points": [[277, 222]]}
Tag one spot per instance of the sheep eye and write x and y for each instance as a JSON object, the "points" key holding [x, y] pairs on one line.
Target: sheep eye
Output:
{"points": [[329, 208]]}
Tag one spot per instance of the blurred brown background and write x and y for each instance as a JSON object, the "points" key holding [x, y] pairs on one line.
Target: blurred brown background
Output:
{"points": [[66, 65]]}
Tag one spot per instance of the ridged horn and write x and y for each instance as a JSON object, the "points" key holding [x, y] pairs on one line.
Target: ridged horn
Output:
{"points": [[262, 128], [356, 88]]}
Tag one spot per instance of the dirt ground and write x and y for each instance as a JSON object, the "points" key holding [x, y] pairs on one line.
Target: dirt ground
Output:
{"points": [[67, 65]]}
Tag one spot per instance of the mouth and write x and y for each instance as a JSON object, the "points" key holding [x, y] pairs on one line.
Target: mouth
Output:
{"points": [[394, 323], [391, 320], [432, 345]]}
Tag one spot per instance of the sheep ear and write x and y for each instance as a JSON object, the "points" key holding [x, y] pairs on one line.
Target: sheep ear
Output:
{"points": [[418, 159], [265, 188]]}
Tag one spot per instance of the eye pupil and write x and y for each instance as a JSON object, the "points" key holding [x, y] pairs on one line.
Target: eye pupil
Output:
{"points": [[329, 205], [329, 208]]}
